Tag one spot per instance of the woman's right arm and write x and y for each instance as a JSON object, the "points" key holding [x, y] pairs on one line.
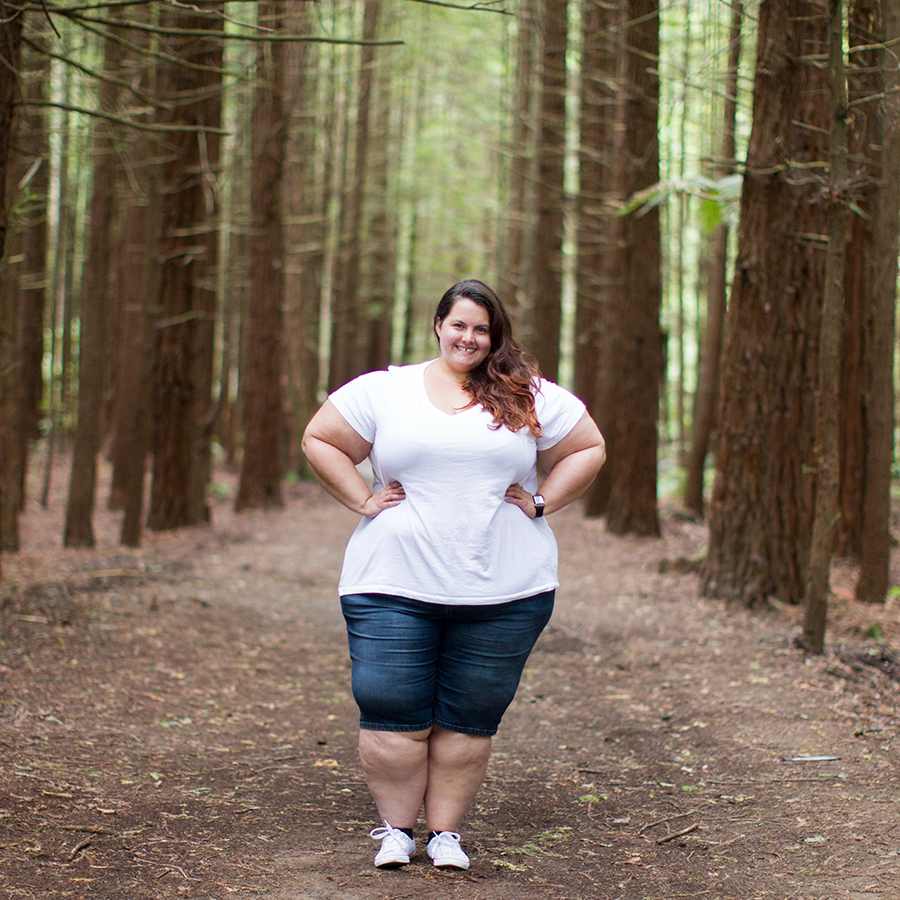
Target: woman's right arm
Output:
{"points": [[334, 449]]}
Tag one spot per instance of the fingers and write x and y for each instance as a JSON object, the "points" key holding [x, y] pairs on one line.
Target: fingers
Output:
{"points": [[518, 496], [386, 498]]}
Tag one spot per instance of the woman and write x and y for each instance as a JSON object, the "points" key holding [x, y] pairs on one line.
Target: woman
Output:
{"points": [[449, 578]]}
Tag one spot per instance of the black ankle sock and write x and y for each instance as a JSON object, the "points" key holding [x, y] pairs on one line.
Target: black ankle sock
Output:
{"points": [[407, 831], [432, 834]]}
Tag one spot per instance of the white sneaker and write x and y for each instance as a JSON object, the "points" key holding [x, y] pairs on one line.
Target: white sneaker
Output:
{"points": [[445, 851], [397, 847]]}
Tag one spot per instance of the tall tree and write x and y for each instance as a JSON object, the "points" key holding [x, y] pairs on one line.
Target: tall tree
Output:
{"points": [[10, 43], [263, 460], [881, 21], [139, 283], [545, 289], [596, 213], [347, 321], [96, 304], [33, 279], [829, 362], [182, 397], [706, 398], [760, 513], [515, 263], [303, 211], [638, 352], [380, 230], [598, 273], [22, 276]]}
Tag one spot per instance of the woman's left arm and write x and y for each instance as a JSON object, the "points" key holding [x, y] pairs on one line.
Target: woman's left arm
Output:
{"points": [[571, 465]]}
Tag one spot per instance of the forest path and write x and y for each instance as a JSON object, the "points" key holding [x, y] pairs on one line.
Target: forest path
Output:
{"points": [[178, 722]]}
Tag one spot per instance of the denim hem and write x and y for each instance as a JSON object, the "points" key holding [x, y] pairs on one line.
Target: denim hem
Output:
{"points": [[379, 726], [462, 729]]}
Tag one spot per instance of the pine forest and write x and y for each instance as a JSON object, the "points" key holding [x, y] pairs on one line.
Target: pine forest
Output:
{"points": [[213, 213]]}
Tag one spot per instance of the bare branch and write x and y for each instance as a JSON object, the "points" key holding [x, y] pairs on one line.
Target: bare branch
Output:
{"points": [[220, 35], [47, 14], [119, 120], [96, 75], [485, 6]]}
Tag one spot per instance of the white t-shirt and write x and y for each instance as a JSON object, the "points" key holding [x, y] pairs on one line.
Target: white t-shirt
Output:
{"points": [[453, 539]]}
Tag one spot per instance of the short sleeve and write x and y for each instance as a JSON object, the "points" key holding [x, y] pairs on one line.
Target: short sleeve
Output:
{"points": [[558, 411], [357, 400]]}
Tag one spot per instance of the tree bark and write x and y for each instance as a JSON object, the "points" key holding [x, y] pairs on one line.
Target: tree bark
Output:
{"points": [[545, 289], [380, 244], [596, 214], [10, 42], [709, 366], [34, 178], [182, 399], [347, 320], [303, 210], [875, 544], [96, 305], [515, 263], [632, 506], [140, 283], [600, 273], [760, 513], [263, 460], [827, 459]]}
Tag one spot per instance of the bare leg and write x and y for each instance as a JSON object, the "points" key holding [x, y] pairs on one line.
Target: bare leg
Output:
{"points": [[457, 764], [396, 766]]}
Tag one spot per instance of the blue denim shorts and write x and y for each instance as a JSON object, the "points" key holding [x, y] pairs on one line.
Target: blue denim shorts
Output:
{"points": [[418, 664]]}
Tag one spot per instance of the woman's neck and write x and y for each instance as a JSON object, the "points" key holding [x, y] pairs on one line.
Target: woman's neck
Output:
{"points": [[445, 373]]}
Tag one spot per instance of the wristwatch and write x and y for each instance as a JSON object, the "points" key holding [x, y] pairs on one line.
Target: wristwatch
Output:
{"points": [[538, 501]]}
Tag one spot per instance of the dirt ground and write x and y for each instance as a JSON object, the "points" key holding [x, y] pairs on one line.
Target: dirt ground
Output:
{"points": [[176, 722]]}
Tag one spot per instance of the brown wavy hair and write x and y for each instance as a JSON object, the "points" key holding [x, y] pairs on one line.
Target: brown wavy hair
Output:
{"points": [[504, 383]]}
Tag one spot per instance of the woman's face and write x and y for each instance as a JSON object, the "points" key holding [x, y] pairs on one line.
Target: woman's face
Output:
{"points": [[464, 336]]}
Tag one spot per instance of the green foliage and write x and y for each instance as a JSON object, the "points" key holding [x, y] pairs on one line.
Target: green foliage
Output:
{"points": [[719, 199]]}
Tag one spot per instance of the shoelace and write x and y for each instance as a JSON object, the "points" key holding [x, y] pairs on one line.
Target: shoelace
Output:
{"points": [[384, 830], [446, 836]]}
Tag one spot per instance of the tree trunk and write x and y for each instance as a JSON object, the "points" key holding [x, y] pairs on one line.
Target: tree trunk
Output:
{"points": [[545, 290], [182, 399], [875, 543], [32, 281], [139, 279], [380, 243], [10, 42], [515, 264], [826, 446], [600, 242], [303, 211], [706, 400], [638, 354], [347, 320], [140, 284], [22, 286], [596, 216], [96, 303], [263, 460], [761, 508]]}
